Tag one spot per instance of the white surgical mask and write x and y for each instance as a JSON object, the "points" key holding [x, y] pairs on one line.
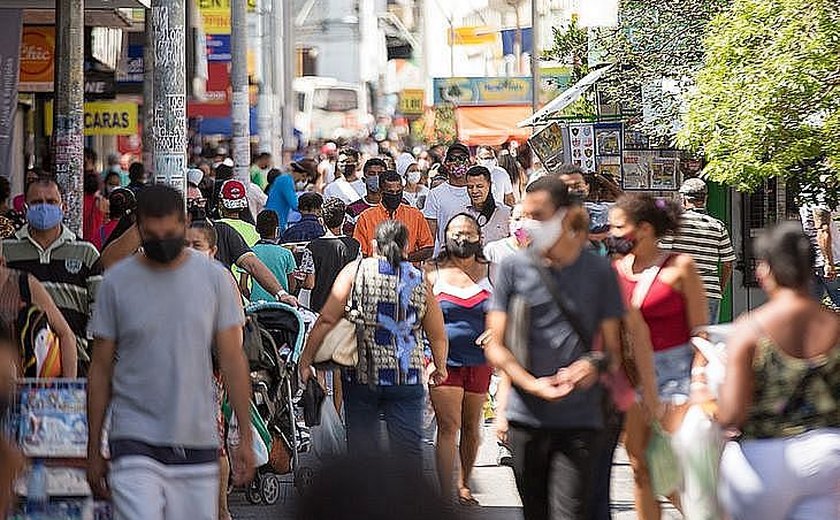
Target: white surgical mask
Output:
{"points": [[413, 177], [544, 234]]}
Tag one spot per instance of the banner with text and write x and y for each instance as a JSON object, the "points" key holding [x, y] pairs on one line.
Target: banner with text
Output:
{"points": [[11, 24], [482, 91], [102, 118]]}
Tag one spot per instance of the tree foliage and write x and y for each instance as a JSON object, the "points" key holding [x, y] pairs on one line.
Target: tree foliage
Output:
{"points": [[654, 41], [767, 102]]}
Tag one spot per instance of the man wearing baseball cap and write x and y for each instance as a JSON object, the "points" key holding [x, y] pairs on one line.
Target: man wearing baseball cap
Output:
{"points": [[233, 199], [705, 239]]}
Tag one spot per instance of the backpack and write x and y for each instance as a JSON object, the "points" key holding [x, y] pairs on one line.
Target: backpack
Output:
{"points": [[39, 349]]}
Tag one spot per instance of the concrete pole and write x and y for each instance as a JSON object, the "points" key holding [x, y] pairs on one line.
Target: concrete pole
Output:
{"points": [[535, 55], [265, 106], [241, 138], [68, 109], [276, 66], [170, 93], [148, 95], [288, 119]]}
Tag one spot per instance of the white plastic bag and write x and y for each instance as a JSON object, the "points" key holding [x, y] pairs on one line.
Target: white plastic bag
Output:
{"points": [[698, 444], [663, 465], [328, 438], [258, 445]]}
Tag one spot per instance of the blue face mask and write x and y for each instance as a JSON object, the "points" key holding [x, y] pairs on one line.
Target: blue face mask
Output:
{"points": [[372, 184], [44, 216]]}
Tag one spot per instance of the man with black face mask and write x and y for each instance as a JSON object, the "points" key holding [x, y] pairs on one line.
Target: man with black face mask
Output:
{"points": [[392, 207], [450, 198], [164, 458], [371, 172], [346, 186]]}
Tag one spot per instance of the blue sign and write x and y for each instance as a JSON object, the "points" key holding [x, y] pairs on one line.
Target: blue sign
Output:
{"points": [[218, 47], [130, 69]]}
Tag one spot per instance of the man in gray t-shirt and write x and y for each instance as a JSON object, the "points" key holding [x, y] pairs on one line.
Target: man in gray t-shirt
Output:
{"points": [[159, 315], [554, 408]]}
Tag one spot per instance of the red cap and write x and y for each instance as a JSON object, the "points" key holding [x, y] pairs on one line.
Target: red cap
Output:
{"points": [[233, 195]]}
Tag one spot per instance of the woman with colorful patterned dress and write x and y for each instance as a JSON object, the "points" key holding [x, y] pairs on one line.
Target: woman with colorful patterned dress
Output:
{"points": [[395, 308]]}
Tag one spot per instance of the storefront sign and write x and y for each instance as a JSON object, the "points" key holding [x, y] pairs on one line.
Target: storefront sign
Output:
{"points": [[11, 23], [102, 118], [482, 91], [37, 58], [412, 101], [130, 69], [480, 35]]}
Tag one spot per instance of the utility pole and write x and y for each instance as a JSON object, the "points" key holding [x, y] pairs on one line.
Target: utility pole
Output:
{"points": [[277, 61], [535, 56], [288, 75], [68, 109], [169, 116], [241, 138], [148, 94], [266, 99]]}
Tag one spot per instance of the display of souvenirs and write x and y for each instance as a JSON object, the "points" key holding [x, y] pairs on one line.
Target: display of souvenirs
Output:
{"points": [[53, 420], [548, 145], [608, 139], [582, 141]]}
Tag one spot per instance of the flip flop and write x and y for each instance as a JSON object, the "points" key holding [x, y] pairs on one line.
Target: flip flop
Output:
{"points": [[469, 501]]}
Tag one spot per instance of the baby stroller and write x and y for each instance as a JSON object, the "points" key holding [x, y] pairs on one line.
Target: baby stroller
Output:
{"points": [[274, 380]]}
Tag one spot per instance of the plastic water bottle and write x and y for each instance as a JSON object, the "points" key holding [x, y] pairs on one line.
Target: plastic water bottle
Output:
{"points": [[36, 492]]}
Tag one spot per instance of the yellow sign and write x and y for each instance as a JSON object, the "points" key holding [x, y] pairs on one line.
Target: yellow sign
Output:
{"points": [[223, 4], [216, 21], [102, 118], [473, 36], [412, 101]]}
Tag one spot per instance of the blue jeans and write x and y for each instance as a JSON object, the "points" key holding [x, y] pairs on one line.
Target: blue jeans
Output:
{"points": [[402, 407], [824, 287], [673, 372], [714, 311]]}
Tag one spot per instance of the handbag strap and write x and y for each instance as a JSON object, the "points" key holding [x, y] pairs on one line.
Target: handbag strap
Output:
{"points": [[646, 281], [351, 304], [560, 300]]}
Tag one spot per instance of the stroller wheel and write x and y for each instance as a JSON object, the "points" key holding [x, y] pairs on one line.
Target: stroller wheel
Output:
{"points": [[253, 492], [270, 489], [303, 478]]}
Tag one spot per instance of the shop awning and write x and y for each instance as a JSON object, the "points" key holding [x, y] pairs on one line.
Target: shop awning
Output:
{"points": [[569, 96], [493, 125]]}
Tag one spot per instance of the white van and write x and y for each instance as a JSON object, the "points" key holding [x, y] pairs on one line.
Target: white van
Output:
{"points": [[330, 109]]}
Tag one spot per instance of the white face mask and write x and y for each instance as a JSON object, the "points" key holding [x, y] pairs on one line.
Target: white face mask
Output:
{"points": [[413, 177], [543, 235]]}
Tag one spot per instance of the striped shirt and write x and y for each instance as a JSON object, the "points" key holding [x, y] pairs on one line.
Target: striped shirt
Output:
{"points": [[70, 271], [707, 241]]}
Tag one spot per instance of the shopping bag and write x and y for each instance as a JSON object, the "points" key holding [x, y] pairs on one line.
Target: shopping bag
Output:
{"points": [[259, 433], [328, 438], [698, 445], [663, 466]]}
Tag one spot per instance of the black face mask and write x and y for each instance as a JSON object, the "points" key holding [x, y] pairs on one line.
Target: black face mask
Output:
{"points": [[619, 245], [391, 201], [460, 248], [163, 250], [196, 212]]}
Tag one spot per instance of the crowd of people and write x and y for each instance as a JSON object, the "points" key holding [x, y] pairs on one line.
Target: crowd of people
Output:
{"points": [[461, 267]]}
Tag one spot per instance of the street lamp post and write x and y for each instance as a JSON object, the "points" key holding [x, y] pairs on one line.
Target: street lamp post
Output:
{"points": [[68, 109], [535, 56], [241, 135], [169, 116]]}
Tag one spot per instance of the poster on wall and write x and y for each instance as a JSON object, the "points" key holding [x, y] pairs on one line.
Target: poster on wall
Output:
{"points": [[548, 145], [610, 166], [664, 170], [582, 149], [608, 139], [636, 170]]}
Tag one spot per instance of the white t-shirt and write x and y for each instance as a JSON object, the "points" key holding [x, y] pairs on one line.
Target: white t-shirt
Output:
{"points": [[327, 170], [498, 227], [346, 191], [501, 183], [417, 200], [443, 203], [497, 251]]}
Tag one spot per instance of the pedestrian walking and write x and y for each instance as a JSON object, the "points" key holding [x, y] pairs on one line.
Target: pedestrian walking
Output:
{"points": [[309, 226], [781, 392], [371, 173], [233, 200], [460, 281], [500, 178], [396, 308], [817, 225], [68, 267], [706, 240], [391, 207], [347, 186], [548, 303], [282, 198], [492, 216], [449, 198], [160, 316], [325, 257], [279, 260], [415, 193], [668, 291]]}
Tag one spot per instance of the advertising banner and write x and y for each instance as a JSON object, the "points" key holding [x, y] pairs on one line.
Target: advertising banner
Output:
{"points": [[11, 23], [482, 91], [102, 118], [37, 58]]}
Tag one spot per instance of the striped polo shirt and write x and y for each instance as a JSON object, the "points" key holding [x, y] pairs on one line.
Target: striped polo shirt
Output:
{"points": [[70, 271], [707, 241]]}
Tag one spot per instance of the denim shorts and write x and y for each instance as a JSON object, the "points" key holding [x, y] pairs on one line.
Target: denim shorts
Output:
{"points": [[673, 373]]}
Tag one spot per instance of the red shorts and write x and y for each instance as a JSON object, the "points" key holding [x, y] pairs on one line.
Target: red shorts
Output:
{"points": [[475, 379]]}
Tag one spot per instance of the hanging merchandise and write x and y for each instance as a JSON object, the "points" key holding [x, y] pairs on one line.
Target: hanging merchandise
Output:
{"points": [[582, 149], [549, 146]]}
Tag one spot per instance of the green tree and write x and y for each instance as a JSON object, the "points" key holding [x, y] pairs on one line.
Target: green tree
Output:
{"points": [[654, 42], [766, 102]]}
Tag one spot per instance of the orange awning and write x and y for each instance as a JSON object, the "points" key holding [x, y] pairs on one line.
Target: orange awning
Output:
{"points": [[491, 125]]}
